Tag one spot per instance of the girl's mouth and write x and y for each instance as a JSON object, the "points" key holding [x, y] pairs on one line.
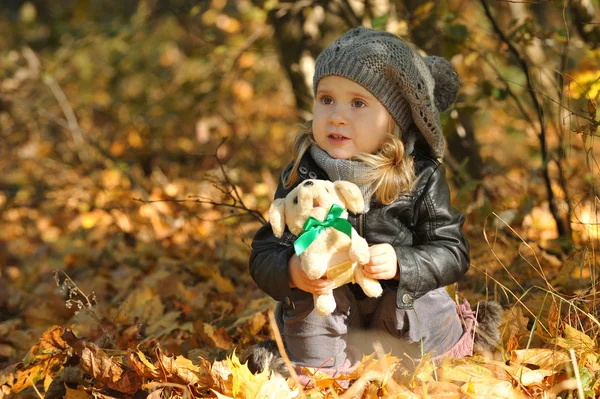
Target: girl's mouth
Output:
{"points": [[337, 137]]}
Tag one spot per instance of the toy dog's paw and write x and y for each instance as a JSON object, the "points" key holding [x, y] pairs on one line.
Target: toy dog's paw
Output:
{"points": [[372, 288], [360, 255], [325, 304], [314, 266]]}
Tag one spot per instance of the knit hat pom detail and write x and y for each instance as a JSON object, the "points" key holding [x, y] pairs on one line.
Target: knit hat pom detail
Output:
{"points": [[446, 82]]}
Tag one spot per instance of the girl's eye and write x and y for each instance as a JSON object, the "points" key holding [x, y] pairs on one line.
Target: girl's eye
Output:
{"points": [[358, 103], [326, 100]]}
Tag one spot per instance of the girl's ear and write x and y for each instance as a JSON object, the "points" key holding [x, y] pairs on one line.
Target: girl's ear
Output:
{"points": [[350, 194], [277, 217]]}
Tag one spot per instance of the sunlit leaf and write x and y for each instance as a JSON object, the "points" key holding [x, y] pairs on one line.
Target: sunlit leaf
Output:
{"points": [[543, 358]]}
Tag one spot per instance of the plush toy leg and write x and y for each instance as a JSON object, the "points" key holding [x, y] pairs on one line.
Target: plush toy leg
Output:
{"points": [[370, 286], [314, 265], [324, 304], [359, 250]]}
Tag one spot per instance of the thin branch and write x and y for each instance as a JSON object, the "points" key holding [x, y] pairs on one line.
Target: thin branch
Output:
{"points": [[346, 12], [511, 94], [73, 124], [540, 113], [229, 189], [254, 213], [561, 142]]}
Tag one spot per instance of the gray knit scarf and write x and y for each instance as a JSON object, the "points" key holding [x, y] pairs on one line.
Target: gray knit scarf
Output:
{"points": [[343, 169]]}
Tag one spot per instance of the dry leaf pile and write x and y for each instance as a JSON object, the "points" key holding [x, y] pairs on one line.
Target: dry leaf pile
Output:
{"points": [[63, 365]]}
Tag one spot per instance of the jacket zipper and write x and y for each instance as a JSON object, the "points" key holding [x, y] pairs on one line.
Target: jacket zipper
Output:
{"points": [[361, 230]]}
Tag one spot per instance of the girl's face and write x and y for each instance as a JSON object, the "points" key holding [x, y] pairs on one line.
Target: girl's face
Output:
{"points": [[348, 119]]}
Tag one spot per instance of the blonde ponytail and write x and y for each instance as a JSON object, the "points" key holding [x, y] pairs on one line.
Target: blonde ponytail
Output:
{"points": [[391, 171]]}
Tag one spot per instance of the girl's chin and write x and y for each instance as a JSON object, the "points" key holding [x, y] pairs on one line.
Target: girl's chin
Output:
{"points": [[339, 154]]}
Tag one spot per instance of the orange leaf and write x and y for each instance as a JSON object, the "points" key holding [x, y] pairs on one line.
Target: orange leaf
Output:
{"points": [[514, 325], [142, 366], [212, 336], [43, 361], [105, 369]]}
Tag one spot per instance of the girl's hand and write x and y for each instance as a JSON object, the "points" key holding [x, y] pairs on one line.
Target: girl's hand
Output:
{"points": [[298, 279], [383, 264]]}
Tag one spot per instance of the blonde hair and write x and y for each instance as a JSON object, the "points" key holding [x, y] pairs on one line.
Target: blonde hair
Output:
{"points": [[392, 171]]}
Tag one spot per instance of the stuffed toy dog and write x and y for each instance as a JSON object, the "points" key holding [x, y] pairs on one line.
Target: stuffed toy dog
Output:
{"points": [[327, 244]]}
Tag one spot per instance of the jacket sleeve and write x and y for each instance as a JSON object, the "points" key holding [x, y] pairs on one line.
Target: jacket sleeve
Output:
{"points": [[269, 258], [439, 255]]}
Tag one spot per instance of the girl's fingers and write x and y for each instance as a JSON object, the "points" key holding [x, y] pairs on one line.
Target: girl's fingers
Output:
{"points": [[321, 284], [378, 259], [375, 269]]}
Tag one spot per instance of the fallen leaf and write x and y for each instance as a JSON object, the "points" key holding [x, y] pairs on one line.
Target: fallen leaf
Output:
{"points": [[215, 337], [142, 366], [513, 326], [543, 358], [107, 370], [43, 361], [465, 370], [76, 394], [222, 376], [491, 389], [576, 340]]}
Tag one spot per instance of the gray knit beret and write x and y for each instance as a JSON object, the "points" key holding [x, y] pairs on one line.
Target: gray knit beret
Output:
{"points": [[412, 88]]}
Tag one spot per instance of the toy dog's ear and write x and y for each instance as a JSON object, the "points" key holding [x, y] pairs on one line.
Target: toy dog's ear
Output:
{"points": [[277, 217], [350, 194]]}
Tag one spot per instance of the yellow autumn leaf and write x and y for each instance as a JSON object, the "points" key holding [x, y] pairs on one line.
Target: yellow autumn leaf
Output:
{"points": [[262, 385], [183, 362], [220, 395], [576, 340], [145, 360], [531, 377], [543, 358], [89, 220], [491, 389], [584, 82], [222, 284], [76, 394], [464, 370]]}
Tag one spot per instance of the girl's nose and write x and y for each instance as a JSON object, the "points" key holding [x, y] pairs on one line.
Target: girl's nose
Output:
{"points": [[337, 117]]}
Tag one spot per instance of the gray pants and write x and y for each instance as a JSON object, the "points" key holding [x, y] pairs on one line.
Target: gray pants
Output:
{"points": [[433, 325]]}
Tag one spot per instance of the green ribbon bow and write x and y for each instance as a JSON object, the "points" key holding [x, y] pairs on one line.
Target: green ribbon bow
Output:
{"points": [[313, 227]]}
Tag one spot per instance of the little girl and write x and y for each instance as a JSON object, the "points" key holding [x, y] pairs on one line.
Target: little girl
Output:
{"points": [[376, 123]]}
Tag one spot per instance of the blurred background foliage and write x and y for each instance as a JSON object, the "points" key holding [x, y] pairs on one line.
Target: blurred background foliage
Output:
{"points": [[106, 106]]}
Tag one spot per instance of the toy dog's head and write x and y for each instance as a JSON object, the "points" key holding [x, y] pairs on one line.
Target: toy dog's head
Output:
{"points": [[313, 198]]}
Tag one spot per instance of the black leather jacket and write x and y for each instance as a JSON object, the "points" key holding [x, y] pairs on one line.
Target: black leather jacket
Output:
{"points": [[422, 227]]}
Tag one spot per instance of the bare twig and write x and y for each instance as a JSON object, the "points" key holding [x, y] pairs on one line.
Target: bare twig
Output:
{"points": [[580, 392], [541, 119], [73, 291], [284, 356], [345, 12], [73, 124], [561, 144], [35, 388]]}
